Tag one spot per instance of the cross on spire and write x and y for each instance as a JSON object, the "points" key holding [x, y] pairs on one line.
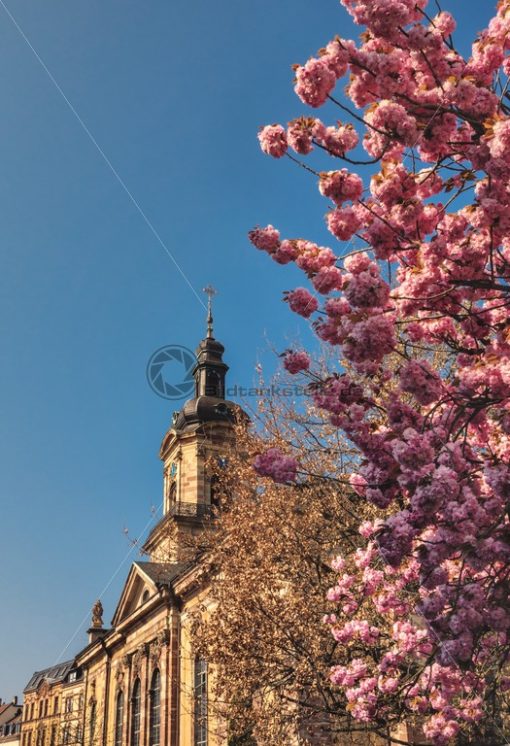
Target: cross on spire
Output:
{"points": [[210, 292]]}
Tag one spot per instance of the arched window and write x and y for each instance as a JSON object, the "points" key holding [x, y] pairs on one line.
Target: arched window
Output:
{"points": [[155, 709], [136, 700], [200, 703], [92, 724], [119, 719], [172, 493], [215, 502], [213, 384]]}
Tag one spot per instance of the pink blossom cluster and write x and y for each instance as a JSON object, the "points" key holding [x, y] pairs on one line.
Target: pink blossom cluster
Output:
{"points": [[303, 133], [302, 302], [273, 140], [418, 378], [340, 186], [344, 222], [276, 464], [417, 311], [265, 239], [296, 362]]}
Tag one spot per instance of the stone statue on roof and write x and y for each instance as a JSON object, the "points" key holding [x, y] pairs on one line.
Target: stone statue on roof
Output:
{"points": [[97, 615]]}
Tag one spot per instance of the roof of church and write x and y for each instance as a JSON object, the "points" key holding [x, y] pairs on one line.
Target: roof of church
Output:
{"points": [[162, 573], [53, 675], [205, 409]]}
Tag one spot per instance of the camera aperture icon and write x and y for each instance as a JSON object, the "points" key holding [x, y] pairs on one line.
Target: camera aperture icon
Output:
{"points": [[170, 372]]}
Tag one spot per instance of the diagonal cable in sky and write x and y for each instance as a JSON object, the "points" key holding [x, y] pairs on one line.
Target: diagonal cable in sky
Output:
{"points": [[103, 155]]}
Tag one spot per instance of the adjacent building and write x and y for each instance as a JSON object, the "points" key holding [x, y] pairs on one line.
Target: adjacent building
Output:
{"points": [[10, 722], [53, 708]]}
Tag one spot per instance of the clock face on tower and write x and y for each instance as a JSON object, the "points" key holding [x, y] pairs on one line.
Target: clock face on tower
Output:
{"points": [[173, 469]]}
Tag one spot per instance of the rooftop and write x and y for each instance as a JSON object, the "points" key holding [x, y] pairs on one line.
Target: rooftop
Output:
{"points": [[162, 573], [52, 675]]}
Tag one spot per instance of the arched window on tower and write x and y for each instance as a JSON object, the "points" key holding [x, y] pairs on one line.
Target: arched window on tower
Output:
{"points": [[213, 384], [155, 709], [136, 701], [119, 719], [172, 493], [200, 703]]}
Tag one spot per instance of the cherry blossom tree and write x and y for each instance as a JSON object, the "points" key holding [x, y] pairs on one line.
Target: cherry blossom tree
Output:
{"points": [[414, 298]]}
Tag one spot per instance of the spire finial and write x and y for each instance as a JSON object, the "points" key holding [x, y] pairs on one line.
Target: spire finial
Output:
{"points": [[210, 292]]}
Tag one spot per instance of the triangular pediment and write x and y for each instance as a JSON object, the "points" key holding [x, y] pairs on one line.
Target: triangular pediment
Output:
{"points": [[138, 589]]}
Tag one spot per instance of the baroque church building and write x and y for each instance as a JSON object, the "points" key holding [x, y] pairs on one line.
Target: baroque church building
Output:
{"points": [[138, 682]]}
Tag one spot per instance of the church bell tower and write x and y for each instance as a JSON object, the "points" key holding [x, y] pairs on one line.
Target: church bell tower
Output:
{"points": [[202, 430]]}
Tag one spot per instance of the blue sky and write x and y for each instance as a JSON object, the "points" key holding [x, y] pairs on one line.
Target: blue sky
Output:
{"points": [[173, 93]]}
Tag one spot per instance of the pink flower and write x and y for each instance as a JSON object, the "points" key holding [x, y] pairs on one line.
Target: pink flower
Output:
{"points": [[418, 378], [302, 302], [273, 140], [312, 258], [394, 120], [286, 252], [300, 134], [314, 82], [336, 55], [338, 140], [275, 464], [343, 223], [500, 142], [265, 239], [388, 685], [349, 675], [368, 528], [295, 362], [358, 262], [371, 340], [327, 279], [445, 23], [340, 186], [367, 289], [384, 17], [440, 729], [338, 564]]}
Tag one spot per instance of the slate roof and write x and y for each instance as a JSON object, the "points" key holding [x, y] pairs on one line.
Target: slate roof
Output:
{"points": [[162, 573], [53, 675]]}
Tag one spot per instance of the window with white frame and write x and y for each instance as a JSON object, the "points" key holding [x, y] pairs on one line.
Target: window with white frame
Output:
{"points": [[200, 703]]}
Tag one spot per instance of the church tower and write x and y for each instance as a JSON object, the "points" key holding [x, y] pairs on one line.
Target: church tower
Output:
{"points": [[202, 430]]}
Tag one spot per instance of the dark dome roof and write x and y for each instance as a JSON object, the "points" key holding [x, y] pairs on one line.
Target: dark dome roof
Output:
{"points": [[205, 409], [211, 345]]}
